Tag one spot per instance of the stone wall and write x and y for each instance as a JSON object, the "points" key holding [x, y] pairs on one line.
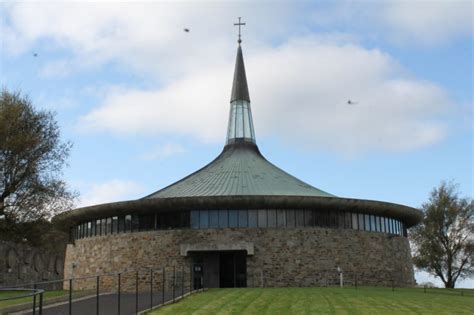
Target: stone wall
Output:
{"points": [[282, 257], [21, 264]]}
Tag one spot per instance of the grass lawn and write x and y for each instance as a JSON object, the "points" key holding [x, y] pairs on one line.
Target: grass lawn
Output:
{"points": [[324, 301], [5, 294]]}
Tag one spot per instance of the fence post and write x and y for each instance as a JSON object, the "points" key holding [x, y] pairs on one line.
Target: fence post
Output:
{"points": [[41, 304], [182, 281], [163, 287], [34, 300], [174, 282], [119, 280], [70, 296], [424, 288], [97, 295], [136, 293], [151, 288]]}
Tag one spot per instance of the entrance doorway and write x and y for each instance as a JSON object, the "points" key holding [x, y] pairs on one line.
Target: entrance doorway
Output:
{"points": [[223, 269]]}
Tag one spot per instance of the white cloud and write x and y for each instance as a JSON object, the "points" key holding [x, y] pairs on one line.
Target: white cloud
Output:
{"points": [[299, 92], [429, 21], [163, 152], [110, 191]]}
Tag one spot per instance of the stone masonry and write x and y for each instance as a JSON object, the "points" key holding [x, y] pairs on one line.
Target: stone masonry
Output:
{"points": [[289, 257]]}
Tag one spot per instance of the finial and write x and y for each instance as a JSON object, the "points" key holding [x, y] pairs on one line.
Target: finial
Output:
{"points": [[239, 24]]}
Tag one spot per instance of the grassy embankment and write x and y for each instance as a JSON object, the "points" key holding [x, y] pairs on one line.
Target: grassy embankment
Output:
{"points": [[325, 301]]}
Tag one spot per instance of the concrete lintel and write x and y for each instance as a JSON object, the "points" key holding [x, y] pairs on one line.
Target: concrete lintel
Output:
{"points": [[207, 247]]}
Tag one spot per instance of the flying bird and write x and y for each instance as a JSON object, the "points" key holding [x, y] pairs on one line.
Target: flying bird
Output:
{"points": [[35, 55], [349, 102], [186, 30]]}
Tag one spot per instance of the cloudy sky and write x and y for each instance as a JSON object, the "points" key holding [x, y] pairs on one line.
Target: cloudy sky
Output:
{"points": [[146, 103]]}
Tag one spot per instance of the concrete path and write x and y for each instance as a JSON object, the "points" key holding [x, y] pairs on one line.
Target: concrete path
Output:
{"points": [[108, 304]]}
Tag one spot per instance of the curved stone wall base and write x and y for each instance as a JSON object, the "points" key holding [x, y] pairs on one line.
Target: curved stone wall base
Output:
{"points": [[298, 257]]}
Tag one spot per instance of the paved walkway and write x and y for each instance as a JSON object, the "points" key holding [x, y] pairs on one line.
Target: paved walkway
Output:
{"points": [[108, 304]]}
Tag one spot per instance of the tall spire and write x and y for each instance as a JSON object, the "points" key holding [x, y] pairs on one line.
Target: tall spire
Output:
{"points": [[240, 90], [240, 128]]}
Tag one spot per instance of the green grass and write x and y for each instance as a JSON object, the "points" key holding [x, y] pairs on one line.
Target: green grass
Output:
{"points": [[324, 301], [5, 294]]}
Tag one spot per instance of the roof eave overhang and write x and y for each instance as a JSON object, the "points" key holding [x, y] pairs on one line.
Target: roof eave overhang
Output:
{"points": [[410, 216]]}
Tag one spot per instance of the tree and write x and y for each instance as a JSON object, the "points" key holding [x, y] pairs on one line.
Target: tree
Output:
{"points": [[444, 241], [32, 156]]}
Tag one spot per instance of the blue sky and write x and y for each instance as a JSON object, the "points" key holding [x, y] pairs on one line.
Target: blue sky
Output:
{"points": [[146, 103]]}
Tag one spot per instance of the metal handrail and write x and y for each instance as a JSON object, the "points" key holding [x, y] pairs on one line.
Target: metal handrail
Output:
{"points": [[15, 297]]}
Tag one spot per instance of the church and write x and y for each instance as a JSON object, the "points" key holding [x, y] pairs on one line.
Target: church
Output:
{"points": [[240, 221]]}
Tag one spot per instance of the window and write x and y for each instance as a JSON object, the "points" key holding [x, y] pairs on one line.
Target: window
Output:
{"points": [[89, 228], [98, 227], [355, 224], [185, 219], [347, 220], [147, 221], [104, 226], [262, 218], [213, 218], [281, 218], [109, 226], [135, 223], [367, 222], [223, 219], [252, 217], [243, 220], [299, 218], [114, 224], [233, 218], [361, 222], [382, 224], [121, 224], [93, 228], [308, 218], [290, 218], [204, 219], [195, 219], [128, 223], [272, 218], [340, 219]]}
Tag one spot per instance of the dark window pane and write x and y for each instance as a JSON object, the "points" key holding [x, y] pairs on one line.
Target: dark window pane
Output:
{"points": [[147, 221], [243, 222], [233, 218], [355, 224], [185, 219], [290, 218], [252, 218], [299, 218], [114, 225], [104, 227], [213, 218], [128, 223], [272, 218], [361, 222], [135, 223], [89, 229], [195, 219], [97, 227], [347, 220], [262, 218], [367, 222], [281, 218], [340, 219], [382, 224], [204, 219], [308, 218], [109, 226], [121, 224], [93, 229], [223, 219]]}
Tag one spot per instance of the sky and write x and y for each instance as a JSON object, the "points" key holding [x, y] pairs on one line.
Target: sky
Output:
{"points": [[146, 103]]}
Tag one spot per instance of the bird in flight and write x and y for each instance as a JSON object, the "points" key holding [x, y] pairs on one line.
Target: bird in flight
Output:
{"points": [[350, 102], [35, 55], [186, 30]]}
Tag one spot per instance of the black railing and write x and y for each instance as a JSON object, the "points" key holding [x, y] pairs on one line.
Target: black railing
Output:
{"points": [[128, 292]]}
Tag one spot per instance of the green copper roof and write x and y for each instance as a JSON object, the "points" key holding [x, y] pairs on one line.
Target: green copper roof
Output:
{"points": [[239, 170]]}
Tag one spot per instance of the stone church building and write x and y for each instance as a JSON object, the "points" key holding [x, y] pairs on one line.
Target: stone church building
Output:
{"points": [[240, 221]]}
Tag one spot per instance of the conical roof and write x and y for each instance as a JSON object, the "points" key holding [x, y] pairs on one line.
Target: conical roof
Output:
{"points": [[240, 170]]}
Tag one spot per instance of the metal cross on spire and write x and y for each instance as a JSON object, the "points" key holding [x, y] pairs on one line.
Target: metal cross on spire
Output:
{"points": [[239, 24]]}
